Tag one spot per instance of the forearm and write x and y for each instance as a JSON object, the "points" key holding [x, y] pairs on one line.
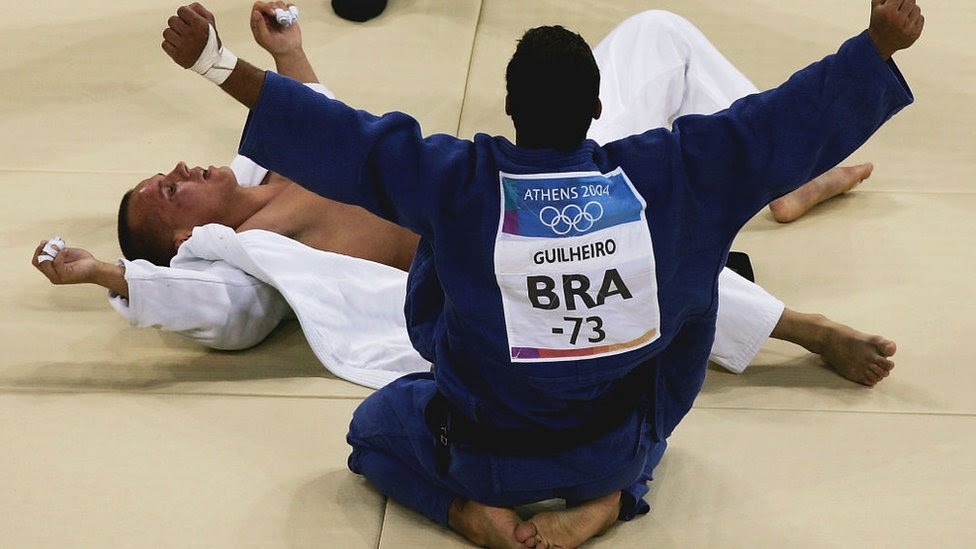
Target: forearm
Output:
{"points": [[112, 277], [244, 83], [295, 65]]}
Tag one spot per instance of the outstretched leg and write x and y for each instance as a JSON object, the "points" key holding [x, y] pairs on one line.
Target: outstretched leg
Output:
{"points": [[748, 315], [837, 181], [857, 356]]}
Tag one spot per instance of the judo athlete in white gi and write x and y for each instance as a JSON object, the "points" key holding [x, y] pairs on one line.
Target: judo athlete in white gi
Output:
{"points": [[228, 290], [565, 292]]}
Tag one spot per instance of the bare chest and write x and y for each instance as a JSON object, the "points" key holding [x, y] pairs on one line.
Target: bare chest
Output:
{"points": [[331, 226]]}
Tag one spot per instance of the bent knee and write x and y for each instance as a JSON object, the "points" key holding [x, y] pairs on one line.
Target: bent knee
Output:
{"points": [[658, 21]]}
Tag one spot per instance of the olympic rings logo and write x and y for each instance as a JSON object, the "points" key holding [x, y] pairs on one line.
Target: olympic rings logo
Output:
{"points": [[572, 217]]}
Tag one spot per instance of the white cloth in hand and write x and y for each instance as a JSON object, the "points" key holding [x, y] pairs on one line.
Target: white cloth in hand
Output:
{"points": [[286, 17], [51, 249]]}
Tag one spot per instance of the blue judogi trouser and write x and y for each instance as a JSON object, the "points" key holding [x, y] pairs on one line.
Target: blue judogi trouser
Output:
{"points": [[394, 448]]}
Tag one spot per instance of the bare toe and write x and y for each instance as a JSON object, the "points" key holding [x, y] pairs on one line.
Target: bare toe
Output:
{"points": [[887, 348], [526, 534], [484, 525]]}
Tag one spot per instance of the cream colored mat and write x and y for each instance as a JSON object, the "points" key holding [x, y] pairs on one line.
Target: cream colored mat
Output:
{"points": [[115, 437]]}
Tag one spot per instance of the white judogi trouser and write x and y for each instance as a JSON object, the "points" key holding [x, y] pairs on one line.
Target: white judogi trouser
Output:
{"points": [[655, 67]]}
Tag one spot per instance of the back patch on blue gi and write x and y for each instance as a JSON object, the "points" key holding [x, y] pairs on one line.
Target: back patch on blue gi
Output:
{"points": [[575, 264]]}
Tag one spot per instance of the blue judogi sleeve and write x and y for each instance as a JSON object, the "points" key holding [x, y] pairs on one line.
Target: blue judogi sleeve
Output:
{"points": [[765, 145], [381, 163]]}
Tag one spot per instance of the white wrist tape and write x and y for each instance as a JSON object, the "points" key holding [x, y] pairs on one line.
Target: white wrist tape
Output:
{"points": [[215, 64], [51, 249], [287, 17]]}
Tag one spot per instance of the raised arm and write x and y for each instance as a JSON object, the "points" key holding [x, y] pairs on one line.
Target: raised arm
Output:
{"points": [[895, 25], [191, 40], [284, 43], [767, 144]]}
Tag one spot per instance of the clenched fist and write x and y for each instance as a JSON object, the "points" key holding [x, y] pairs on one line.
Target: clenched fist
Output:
{"points": [[186, 34], [895, 25]]}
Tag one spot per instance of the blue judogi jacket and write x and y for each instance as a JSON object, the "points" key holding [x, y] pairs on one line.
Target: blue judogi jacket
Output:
{"points": [[699, 183]]}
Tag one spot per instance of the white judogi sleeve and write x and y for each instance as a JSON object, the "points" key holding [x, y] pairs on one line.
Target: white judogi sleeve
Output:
{"points": [[210, 302]]}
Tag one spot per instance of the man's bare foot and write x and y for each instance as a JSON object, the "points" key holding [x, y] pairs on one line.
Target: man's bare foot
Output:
{"points": [[832, 183], [570, 528], [857, 356], [484, 525]]}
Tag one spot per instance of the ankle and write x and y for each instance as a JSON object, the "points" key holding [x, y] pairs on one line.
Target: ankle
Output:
{"points": [[810, 331], [456, 515], [818, 333], [610, 510]]}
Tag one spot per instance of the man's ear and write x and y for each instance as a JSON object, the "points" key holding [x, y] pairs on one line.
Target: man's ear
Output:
{"points": [[597, 109], [508, 107], [180, 237]]}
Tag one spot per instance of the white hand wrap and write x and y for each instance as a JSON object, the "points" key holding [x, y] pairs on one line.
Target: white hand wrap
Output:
{"points": [[287, 17], [51, 249], [215, 64]]}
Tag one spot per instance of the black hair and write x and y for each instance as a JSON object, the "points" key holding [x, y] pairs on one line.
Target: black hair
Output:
{"points": [[138, 243], [553, 84]]}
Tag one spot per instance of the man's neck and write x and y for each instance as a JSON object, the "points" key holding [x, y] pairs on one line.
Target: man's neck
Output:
{"points": [[251, 200], [530, 143]]}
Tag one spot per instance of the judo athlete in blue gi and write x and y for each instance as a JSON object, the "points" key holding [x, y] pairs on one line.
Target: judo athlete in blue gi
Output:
{"points": [[565, 292]]}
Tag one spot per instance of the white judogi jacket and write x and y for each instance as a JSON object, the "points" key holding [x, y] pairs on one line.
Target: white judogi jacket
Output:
{"points": [[229, 290]]}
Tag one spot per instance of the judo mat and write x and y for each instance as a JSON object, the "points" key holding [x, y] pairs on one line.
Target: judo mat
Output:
{"points": [[117, 437]]}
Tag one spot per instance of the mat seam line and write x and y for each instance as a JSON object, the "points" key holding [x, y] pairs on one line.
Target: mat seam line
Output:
{"points": [[835, 411], [467, 74], [37, 391], [44, 391]]}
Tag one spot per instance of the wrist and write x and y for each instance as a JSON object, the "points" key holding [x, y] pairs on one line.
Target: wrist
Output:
{"points": [[882, 50], [289, 54], [215, 62], [113, 279], [108, 274], [291, 58]]}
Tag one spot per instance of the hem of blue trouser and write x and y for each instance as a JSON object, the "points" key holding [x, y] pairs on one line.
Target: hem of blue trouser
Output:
{"points": [[632, 501], [631, 506], [437, 511], [443, 508]]}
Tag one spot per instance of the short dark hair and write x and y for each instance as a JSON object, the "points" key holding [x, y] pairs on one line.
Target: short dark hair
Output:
{"points": [[138, 242], [553, 84]]}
